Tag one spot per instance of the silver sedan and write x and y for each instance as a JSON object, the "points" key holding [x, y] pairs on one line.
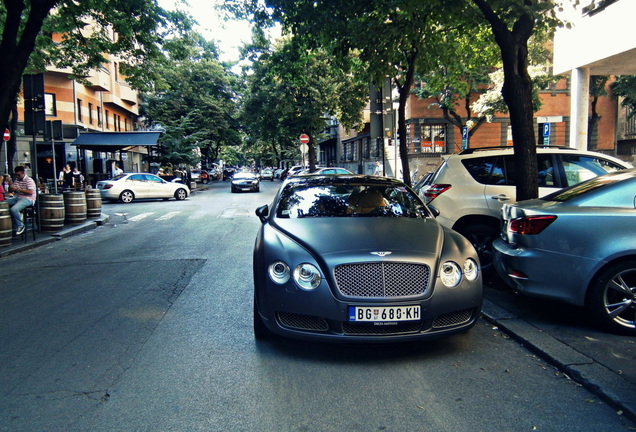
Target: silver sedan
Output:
{"points": [[577, 245]]}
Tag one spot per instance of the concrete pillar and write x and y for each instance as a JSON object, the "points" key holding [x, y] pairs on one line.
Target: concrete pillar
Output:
{"points": [[579, 107]]}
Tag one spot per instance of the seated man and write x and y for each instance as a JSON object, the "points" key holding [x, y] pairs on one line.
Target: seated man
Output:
{"points": [[366, 201], [24, 190]]}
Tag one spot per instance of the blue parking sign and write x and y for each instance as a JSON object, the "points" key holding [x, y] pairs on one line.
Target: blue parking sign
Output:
{"points": [[546, 129]]}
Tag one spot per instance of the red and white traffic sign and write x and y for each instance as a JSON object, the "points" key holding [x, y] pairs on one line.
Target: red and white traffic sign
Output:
{"points": [[7, 135], [304, 139]]}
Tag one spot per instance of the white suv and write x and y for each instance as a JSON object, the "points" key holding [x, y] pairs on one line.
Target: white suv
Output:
{"points": [[469, 189]]}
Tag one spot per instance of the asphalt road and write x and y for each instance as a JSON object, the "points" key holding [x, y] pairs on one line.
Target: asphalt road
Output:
{"points": [[145, 324]]}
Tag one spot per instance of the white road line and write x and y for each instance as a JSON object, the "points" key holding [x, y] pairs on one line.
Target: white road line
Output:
{"points": [[140, 216], [169, 215]]}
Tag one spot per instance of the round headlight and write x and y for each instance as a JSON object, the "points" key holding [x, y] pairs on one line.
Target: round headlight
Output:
{"points": [[471, 269], [450, 274], [307, 276], [279, 272]]}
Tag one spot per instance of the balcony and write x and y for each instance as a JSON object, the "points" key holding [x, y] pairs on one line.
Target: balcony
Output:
{"points": [[127, 94], [99, 80]]}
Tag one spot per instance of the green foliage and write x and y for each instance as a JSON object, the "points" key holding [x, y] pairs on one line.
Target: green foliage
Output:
{"points": [[291, 91], [194, 102], [625, 86]]}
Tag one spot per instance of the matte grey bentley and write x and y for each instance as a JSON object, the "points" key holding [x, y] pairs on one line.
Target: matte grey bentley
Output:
{"points": [[360, 259]]}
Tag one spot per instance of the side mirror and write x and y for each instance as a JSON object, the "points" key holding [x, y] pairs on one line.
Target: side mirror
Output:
{"points": [[263, 212], [433, 210]]}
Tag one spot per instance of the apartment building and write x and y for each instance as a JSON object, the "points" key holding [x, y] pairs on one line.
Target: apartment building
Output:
{"points": [[88, 125]]}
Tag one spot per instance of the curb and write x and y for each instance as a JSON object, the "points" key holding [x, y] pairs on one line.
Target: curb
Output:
{"points": [[595, 377]]}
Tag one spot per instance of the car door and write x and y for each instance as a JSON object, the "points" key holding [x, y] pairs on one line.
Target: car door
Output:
{"points": [[137, 183], [501, 188], [157, 188]]}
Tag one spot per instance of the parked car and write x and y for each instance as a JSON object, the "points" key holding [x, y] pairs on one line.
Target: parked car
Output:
{"points": [[325, 171], [128, 187], [200, 176], [278, 172], [228, 173], [267, 174], [245, 181], [577, 245], [294, 171], [470, 188], [361, 259]]}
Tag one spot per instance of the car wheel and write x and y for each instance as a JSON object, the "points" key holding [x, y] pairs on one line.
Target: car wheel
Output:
{"points": [[481, 237], [127, 196], [205, 181], [180, 194], [260, 331], [612, 298], [232, 189]]}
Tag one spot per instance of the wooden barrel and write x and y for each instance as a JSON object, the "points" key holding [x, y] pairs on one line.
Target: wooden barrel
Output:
{"points": [[75, 207], [51, 212], [6, 225], [93, 203]]}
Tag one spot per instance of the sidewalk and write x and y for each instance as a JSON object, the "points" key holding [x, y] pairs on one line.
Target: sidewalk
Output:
{"points": [[42, 238], [562, 335], [603, 363]]}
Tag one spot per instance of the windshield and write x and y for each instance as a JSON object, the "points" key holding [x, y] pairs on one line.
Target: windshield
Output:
{"points": [[349, 200]]}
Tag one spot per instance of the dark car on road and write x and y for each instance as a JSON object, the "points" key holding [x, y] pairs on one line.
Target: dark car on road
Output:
{"points": [[360, 259]]}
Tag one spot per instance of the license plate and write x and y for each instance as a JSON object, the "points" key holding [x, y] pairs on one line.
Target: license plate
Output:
{"points": [[384, 313]]}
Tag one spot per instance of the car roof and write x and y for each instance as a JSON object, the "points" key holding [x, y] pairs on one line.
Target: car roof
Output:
{"points": [[489, 151]]}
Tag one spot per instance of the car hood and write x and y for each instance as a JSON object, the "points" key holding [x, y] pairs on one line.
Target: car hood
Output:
{"points": [[403, 238]]}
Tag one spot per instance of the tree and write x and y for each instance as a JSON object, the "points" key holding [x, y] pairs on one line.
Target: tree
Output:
{"points": [[625, 87], [294, 89], [194, 102], [513, 22], [597, 89], [76, 34], [389, 37]]}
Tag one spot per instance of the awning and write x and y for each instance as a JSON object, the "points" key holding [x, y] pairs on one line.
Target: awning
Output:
{"points": [[115, 141]]}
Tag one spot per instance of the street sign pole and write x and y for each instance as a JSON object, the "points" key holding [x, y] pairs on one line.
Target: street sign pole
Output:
{"points": [[6, 137]]}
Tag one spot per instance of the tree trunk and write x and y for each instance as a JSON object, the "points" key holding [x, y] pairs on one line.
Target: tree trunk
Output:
{"points": [[517, 93], [405, 91], [16, 47]]}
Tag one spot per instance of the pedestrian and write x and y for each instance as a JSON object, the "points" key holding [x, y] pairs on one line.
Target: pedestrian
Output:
{"points": [[25, 193], [65, 178], [378, 169], [78, 179], [116, 170]]}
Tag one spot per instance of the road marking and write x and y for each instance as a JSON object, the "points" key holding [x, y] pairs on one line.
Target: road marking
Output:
{"points": [[140, 216], [169, 215]]}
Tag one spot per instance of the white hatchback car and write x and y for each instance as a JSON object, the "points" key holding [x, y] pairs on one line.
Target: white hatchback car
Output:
{"points": [[128, 187], [469, 188]]}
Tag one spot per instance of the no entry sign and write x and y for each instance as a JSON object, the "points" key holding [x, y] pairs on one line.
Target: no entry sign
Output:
{"points": [[304, 138], [7, 135]]}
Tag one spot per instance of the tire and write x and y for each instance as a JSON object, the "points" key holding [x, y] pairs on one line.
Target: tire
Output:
{"points": [[126, 196], [612, 298], [180, 194], [481, 236], [260, 331], [205, 181]]}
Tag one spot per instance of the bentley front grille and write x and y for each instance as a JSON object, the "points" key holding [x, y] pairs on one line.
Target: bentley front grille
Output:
{"points": [[382, 279]]}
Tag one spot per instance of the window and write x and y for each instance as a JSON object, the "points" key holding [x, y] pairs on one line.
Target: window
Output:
{"points": [[90, 113], [106, 117], [428, 138], [99, 116], [50, 107], [79, 110]]}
